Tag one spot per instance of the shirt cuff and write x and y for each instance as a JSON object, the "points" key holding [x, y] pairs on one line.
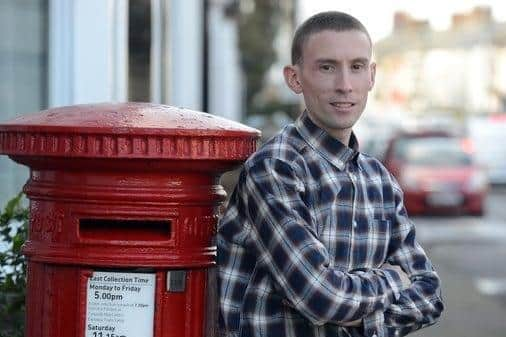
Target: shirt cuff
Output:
{"points": [[394, 281], [374, 325]]}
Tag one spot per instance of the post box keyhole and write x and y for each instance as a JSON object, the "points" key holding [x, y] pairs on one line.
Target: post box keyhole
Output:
{"points": [[176, 281]]}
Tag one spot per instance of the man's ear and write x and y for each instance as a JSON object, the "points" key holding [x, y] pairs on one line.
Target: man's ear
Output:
{"points": [[373, 75], [291, 73]]}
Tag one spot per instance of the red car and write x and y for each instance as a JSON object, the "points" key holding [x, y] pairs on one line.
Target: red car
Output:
{"points": [[437, 173]]}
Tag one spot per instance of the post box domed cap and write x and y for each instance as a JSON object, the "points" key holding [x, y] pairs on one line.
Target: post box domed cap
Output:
{"points": [[127, 130], [127, 118]]}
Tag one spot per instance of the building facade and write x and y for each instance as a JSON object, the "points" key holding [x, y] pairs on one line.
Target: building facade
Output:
{"points": [[66, 52], [459, 71]]}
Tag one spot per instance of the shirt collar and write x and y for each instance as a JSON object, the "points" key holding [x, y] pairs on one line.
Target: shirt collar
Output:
{"points": [[329, 147]]}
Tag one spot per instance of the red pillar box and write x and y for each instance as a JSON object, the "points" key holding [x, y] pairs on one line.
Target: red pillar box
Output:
{"points": [[123, 201]]}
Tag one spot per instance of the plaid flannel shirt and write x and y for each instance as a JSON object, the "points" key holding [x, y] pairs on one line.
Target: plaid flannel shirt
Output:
{"points": [[303, 240]]}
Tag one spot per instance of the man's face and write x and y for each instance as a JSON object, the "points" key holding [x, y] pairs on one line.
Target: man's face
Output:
{"points": [[335, 78]]}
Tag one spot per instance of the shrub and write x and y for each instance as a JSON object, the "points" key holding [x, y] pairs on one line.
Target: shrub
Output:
{"points": [[13, 233]]}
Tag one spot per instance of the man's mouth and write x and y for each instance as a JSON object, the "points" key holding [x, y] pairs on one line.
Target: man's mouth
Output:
{"points": [[342, 105]]}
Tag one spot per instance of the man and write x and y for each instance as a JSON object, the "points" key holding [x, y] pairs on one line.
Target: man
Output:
{"points": [[316, 240]]}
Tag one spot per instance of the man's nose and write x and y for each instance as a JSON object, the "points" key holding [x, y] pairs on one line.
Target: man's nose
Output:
{"points": [[343, 81]]}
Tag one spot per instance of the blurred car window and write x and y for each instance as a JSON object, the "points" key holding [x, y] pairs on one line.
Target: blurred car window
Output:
{"points": [[434, 152]]}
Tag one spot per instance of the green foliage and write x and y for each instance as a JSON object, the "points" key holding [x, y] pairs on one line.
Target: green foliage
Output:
{"points": [[257, 31], [13, 232]]}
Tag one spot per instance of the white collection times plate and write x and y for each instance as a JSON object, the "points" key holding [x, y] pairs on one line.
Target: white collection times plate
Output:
{"points": [[120, 305]]}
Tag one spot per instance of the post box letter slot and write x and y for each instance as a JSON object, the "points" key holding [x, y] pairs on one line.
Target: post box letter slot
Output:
{"points": [[125, 230]]}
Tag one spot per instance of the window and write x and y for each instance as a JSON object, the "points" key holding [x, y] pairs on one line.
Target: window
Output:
{"points": [[24, 74], [139, 49]]}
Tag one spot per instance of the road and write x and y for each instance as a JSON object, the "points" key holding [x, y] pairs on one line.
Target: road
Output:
{"points": [[470, 256]]}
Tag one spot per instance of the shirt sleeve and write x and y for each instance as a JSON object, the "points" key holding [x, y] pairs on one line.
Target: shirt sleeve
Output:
{"points": [[287, 247], [421, 304]]}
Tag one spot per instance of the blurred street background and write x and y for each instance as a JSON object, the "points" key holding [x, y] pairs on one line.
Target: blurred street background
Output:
{"points": [[436, 117], [469, 254]]}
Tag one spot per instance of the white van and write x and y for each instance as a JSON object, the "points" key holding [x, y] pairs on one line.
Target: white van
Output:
{"points": [[488, 135]]}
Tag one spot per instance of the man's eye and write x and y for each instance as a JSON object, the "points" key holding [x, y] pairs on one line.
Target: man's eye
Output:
{"points": [[358, 66], [327, 67]]}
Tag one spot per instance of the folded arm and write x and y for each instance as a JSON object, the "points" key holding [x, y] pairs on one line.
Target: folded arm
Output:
{"points": [[283, 238], [420, 304]]}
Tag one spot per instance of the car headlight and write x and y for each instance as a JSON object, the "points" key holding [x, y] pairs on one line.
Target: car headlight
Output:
{"points": [[478, 181], [409, 181]]}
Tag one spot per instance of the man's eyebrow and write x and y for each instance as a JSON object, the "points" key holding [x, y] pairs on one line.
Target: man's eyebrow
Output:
{"points": [[331, 61], [364, 60]]}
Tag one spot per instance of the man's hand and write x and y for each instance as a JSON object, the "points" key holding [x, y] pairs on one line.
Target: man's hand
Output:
{"points": [[405, 281]]}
